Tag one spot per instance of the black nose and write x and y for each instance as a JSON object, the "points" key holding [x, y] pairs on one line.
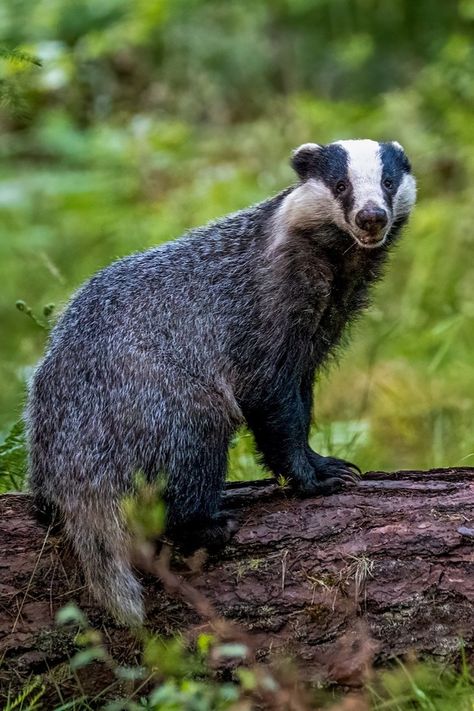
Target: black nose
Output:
{"points": [[371, 219]]}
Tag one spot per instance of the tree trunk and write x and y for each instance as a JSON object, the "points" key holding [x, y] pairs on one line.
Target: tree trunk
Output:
{"points": [[331, 582]]}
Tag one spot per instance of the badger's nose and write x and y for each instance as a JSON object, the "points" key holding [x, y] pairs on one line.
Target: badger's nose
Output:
{"points": [[371, 219]]}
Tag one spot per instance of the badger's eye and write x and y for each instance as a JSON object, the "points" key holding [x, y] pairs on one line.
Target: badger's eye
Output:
{"points": [[341, 187], [388, 183]]}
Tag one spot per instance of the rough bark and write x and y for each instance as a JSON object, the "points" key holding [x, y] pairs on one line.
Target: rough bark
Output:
{"points": [[393, 557]]}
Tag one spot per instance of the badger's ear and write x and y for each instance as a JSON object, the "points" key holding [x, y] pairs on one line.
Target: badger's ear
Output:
{"points": [[304, 158], [397, 145], [401, 150]]}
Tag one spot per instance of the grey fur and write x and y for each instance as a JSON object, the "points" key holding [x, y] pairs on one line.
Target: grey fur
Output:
{"points": [[161, 356]]}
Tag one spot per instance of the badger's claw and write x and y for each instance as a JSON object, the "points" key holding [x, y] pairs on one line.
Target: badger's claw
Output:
{"points": [[351, 465], [329, 475], [325, 466]]}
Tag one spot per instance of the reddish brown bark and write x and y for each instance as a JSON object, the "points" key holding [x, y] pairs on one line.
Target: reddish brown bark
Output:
{"points": [[393, 557]]}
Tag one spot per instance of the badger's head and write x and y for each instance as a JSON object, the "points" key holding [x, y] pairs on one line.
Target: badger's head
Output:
{"points": [[363, 187]]}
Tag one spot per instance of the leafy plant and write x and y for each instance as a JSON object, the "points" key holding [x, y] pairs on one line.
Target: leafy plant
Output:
{"points": [[11, 94], [423, 687], [13, 459], [29, 698], [125, 123]]}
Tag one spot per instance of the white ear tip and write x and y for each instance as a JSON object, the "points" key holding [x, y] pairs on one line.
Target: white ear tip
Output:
{"points": [[397, 145], [306, 147]]}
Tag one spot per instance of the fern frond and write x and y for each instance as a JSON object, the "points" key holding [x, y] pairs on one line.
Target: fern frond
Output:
{"points": [[13, 459], [26, 700], [19, 56]]}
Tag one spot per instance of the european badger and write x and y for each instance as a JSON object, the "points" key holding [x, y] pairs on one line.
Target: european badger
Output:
{"points": [[161, 356]]}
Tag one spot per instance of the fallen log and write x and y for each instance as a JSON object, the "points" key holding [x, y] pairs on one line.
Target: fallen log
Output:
{"points": [[394, 556]]}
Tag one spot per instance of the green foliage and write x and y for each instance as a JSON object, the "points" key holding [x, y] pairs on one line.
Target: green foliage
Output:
{"points": [[423, 687], [13, 459], [145, 511], [117, 157], [18, 57], [28, 311], [147, 118], [13, 62], [71, 614], [171, 659], [243, 458], [172, 675], [29, 698]]}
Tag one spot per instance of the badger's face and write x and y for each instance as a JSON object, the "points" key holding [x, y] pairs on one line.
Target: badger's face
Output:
{"points": [[363, 187]]}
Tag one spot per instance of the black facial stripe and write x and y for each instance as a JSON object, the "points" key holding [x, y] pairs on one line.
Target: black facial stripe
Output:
{"points": [[395, 165], [347, 201], [332, 167]]}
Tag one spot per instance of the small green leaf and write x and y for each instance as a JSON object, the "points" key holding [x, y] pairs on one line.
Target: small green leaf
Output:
{"points": [[204, 642], [232, 650], [130, 673], [48, 309], [247, 678], [19, 56], [86, 657], [88, 638], [71, 614]]}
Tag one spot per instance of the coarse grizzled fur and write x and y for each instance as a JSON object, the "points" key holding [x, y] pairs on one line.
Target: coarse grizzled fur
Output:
{"points": [[161, 356]]}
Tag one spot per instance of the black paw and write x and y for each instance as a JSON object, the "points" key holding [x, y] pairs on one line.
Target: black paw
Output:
{"points": [[212, 534], [329, 475]]}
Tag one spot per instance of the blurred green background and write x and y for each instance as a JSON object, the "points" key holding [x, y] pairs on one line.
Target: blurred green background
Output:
{"points": [[146, 118]]}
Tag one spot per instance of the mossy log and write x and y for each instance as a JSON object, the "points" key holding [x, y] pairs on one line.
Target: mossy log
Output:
{"points": [[377, 571]]}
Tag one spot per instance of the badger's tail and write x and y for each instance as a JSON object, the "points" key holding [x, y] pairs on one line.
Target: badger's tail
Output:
{"points": [[102, 545]]}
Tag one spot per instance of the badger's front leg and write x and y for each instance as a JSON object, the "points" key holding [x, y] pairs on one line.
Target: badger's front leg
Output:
{"points": [[281, 429], [326, 467]]}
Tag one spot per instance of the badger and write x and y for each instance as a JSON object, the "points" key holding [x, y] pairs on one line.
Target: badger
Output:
{"points": [[161, 356]]}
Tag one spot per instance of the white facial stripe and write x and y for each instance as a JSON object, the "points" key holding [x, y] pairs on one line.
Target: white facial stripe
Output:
{"points": [[309, 205], [405, 197], [365, 173]]}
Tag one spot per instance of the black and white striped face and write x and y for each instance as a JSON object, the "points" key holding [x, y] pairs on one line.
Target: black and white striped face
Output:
{"points": [[363, 187]]}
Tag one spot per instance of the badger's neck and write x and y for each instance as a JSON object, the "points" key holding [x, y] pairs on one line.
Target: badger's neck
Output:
{"points": [[309, 260], [312, 268], [314, 281]]}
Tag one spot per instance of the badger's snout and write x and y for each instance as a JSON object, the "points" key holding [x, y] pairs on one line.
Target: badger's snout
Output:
{"points": [[372, 219]]}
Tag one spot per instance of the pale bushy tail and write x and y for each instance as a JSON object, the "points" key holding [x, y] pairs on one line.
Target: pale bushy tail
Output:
{"points": [[100, 541]]}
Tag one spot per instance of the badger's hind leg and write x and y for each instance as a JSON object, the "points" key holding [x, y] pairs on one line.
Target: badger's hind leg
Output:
{"points": [[197, 442], [195, 480]]}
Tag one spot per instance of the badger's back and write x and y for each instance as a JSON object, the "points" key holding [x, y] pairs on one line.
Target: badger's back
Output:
{"points": [[161, 308], [109, 398]]}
